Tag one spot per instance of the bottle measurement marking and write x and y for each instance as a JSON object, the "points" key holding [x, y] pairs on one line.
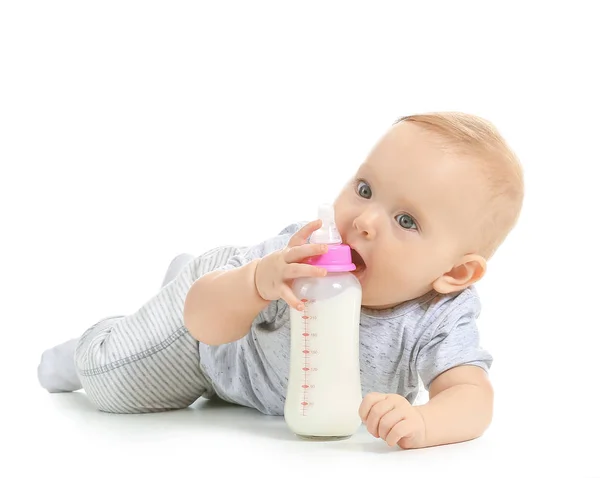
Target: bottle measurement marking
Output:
{"points": [[306, 351]]}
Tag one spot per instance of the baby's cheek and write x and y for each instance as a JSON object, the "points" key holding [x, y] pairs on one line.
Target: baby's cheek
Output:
{"points": [[394, 282]]}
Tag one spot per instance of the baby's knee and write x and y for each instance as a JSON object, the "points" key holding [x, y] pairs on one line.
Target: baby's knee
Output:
{"points": [[92, 351]]}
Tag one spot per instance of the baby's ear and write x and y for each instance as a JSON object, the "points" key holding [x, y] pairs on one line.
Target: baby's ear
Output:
{"points": [[471, 269]]}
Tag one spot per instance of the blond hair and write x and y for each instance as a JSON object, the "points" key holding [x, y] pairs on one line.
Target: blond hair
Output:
{"points": [[477, 138]]}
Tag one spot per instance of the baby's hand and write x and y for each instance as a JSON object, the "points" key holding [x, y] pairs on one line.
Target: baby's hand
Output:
{"points": [[392, 418], [276, 271]]}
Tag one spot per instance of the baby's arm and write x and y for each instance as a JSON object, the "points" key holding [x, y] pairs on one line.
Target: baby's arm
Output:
{"points": [[460, 406], [453, 368], [459, 409], [221, 305]]}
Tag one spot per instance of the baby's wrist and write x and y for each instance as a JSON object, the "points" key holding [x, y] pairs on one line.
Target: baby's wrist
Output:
{"points": [[255, 265], [422, 413]]}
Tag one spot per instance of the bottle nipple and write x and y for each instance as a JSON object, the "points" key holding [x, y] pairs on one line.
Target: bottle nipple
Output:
{"points": [[327, 233]]}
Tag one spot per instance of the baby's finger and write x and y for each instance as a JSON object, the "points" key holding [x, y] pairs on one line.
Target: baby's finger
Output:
{"points": [[294, 271], [290, 298], [389, 421], [376, 414], [401, 429], [299, 253], [370, 399], [303, 234]]}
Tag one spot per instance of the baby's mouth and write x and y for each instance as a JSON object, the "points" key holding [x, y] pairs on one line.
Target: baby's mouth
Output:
{"points": [[358, 261]]}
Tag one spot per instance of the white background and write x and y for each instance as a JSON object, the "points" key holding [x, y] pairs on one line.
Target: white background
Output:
{"points": [[133, 131]]}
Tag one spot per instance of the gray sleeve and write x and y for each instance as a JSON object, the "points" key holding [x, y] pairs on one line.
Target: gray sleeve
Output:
{"points": [[454, 342], [244, 255], [274, 312]]}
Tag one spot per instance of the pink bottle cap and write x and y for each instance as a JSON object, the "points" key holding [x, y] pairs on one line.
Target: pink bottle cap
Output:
{"points": [[338, 258]]}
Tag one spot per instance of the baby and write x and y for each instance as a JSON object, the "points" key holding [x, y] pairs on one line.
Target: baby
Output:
{"points": [[424, 213]]}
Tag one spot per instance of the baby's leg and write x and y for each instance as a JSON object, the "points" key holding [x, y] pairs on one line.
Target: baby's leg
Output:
{"points": [[143, 362]]}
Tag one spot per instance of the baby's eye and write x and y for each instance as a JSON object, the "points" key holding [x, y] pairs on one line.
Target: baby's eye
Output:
{"points": [[406, 221], [363, 190]]}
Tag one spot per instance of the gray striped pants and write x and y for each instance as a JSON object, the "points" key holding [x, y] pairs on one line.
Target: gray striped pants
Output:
{"points": [[143, 362]]}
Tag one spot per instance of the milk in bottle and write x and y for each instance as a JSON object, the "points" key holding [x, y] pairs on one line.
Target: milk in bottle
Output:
{"points": [[324, 388]]}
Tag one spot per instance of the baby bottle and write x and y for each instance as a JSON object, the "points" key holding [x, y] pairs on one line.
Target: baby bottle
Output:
{"points": [[324, 388]]}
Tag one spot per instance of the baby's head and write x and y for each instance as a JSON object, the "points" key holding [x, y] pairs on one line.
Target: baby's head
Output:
{"points": [[429, 206]]}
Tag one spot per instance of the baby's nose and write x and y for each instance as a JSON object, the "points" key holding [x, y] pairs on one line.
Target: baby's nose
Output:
{"points": [[367, 223]]}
